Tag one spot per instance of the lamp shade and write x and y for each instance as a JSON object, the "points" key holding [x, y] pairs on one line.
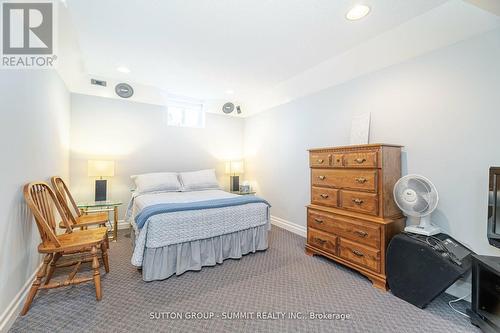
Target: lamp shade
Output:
{"points": [[101, 168], [234, 167]]}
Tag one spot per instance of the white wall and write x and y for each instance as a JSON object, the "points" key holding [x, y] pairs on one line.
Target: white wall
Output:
{"points": [[34, 141], [444, 107], [137, 137]]}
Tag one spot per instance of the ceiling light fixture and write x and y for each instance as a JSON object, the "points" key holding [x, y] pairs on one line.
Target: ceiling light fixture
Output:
{"points": [[123, 69], [357, 12]]}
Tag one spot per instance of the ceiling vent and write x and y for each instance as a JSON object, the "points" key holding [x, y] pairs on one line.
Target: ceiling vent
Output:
{"points": [[96, 82]]}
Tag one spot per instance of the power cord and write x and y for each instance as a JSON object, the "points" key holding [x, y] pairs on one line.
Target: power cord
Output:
{"points": [[436, 244], [440, 246], [456, 300]]}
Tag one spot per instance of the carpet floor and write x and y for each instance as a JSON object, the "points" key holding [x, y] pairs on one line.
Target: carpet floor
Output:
{"points": [[279, 290]]}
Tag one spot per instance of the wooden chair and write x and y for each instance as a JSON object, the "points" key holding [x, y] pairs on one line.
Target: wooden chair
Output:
{"points": [[73, 213], [41, 200]]}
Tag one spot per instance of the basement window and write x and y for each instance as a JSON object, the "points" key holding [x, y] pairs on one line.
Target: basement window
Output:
{"points": [[185, 115]]}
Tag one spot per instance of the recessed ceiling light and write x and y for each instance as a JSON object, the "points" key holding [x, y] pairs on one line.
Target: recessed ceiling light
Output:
{"points": [[229, 91], [357, 12], [123, 69]]}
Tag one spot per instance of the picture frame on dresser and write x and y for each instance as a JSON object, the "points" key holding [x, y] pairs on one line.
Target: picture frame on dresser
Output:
{"points": [[352, 215]]}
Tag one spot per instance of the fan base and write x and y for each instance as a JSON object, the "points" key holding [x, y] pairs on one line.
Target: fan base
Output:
{"points": [[428, 230]]}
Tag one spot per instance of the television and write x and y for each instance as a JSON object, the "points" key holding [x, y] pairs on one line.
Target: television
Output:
{"points": [[493, 207]]}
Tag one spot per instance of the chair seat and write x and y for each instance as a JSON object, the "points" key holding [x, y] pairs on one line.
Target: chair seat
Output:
{"points": [[88, 219], [75, 240]]}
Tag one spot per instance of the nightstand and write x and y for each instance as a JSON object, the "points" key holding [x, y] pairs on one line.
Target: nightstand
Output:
{"points": [[103, 206]]}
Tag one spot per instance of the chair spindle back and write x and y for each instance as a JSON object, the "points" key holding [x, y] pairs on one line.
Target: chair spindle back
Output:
{"points": [[66, 199], [41, 201]]}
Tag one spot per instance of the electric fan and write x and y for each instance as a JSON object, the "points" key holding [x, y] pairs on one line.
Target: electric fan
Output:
{"points": [[417, 197]]}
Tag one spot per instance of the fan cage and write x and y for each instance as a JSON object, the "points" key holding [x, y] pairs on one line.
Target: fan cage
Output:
{"points": [[426, 192]]}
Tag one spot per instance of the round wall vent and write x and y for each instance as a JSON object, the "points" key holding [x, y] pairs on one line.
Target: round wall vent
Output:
{"points": [[124, 90], [228, 107]]}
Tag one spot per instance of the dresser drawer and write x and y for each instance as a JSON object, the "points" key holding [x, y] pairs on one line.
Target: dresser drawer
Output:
{"points": [[359, 254], [320, 160], [365, 180], [362, 232], [324, 196], [361, 160], [359, 202], [322, 240], [322, 221]]}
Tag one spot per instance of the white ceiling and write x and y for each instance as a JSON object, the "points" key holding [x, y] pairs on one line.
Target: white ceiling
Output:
{"points": [[201, 48]]}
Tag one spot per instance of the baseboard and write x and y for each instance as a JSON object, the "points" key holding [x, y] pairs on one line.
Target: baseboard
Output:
{"points": [[287, 225], [460, 288], [122, 224], [9, 316]]}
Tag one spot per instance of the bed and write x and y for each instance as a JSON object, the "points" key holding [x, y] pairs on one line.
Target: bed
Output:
{"points": [[174, 232]]}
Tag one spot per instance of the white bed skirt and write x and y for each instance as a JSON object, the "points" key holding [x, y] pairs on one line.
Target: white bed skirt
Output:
{"points": [[162, 262]]}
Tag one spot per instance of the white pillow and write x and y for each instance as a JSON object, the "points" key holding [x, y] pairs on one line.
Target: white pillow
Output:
{"points": [[158, 181], [199, 180]]}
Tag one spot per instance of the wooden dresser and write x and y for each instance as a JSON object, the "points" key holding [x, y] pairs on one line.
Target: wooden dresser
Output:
{"points": [[352, 215]]}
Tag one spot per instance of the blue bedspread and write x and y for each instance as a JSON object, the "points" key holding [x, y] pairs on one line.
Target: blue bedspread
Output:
{"points": [[149, 211]]}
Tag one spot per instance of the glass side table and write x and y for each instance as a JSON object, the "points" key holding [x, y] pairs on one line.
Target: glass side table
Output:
{"points": [[243, 193], [103, 206]]}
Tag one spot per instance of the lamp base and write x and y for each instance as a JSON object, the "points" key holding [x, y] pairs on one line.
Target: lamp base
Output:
{"points": [[234, 184], [100, 189]]}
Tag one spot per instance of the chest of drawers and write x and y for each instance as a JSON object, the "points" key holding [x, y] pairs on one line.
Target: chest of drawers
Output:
{"points": [[352, 215]]}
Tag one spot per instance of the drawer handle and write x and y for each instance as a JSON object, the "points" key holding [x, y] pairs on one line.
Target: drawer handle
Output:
{"points": [[360, 160], [320, 241], [358, 253], [324, 196], [361, 180], [357, 201], [322, 177], [320, 161], [361, 233], [318, 221]]}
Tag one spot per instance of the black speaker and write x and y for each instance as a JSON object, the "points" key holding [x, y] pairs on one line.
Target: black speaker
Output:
{"points": [[100, 189], [417, 272]]}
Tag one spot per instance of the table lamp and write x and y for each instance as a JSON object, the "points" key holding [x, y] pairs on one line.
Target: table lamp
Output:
{"points": [[234, 169], [101, 169]]}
